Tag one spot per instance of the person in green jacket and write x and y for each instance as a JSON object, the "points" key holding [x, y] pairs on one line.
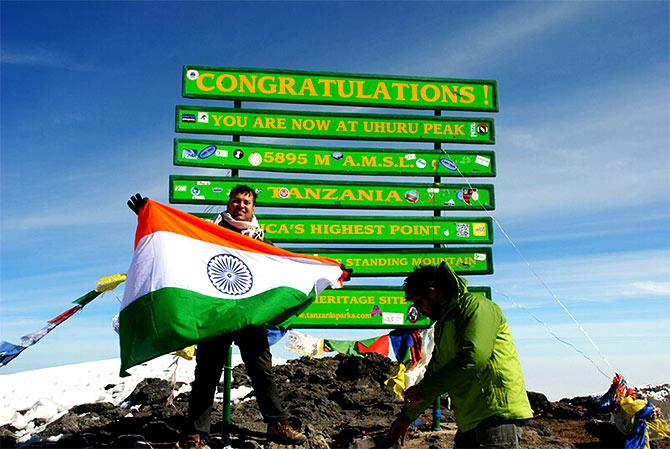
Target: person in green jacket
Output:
{"points": [[474, 361]]}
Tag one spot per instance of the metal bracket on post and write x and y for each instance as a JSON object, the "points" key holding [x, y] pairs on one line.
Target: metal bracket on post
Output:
{"points": [[436, 213]]}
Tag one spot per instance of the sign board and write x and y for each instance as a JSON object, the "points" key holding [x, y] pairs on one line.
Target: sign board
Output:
{"points": [[339, 88], [335, 194], [322, 125], [372, 229], [355, 161], [364, 307], [401, 262]]}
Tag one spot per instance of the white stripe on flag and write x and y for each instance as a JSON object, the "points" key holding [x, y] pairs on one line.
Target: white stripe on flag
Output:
{"points": [[165, 259]]}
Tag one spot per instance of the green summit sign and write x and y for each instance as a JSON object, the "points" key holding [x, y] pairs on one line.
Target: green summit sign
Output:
{"points": [[356, 161], [339, 89], [322, 125], [401, 262], [364, 307], [348, 229], [335, 194]]}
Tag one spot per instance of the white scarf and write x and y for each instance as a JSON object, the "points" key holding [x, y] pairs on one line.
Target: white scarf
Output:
{"points": [[249, 228]]}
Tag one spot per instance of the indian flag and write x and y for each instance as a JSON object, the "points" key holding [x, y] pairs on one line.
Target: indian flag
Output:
{"points": [[191, 280]]}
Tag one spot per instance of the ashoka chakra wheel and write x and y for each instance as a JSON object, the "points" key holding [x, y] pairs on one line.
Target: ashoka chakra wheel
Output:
{"points": [[229, 274]]}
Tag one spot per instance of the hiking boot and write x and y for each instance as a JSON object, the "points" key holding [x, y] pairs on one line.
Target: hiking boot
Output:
{"points": [[283, 433], [194, 441]]}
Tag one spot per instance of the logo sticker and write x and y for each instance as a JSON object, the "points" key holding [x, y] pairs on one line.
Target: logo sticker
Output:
{"points": [[410, 157], [284, 193], [337, 155], [376, 311], [467, 195], [221, 153], [451, 202], [448, 164], [392, 318], [180, 188], [188, 118], [420, 163], [204, 183], [207, 152], [412, 196], [481, 160], [195, 191], [217, 189], [479, 229], [238, 154], [189, 153], [203, 117], [413, 314], [229, 274], [192, 74], [255, 159], [482, 128]]}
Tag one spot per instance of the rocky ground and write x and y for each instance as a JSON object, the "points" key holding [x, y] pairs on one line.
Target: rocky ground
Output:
{"points": [[339, 402]]}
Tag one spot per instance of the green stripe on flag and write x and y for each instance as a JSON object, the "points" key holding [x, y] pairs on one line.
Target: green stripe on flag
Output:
{"points": [[171, 318]]}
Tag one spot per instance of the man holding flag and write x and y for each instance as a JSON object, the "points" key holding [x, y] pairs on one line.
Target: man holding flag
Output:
{"points": [[241, 283]]}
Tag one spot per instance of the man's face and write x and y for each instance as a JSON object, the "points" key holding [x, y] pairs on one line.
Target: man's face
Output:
{"points": [[241, 206], [428, 304]]}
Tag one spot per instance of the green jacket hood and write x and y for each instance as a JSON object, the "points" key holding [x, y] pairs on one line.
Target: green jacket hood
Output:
{"points": [[461, 283]]}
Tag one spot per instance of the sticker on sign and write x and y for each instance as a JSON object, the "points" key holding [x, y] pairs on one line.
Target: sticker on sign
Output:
{"points": [[392, 318]]}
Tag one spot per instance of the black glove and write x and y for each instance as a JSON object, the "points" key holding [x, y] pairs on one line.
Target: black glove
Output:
{"points": [[347, 273], [136, 202]]}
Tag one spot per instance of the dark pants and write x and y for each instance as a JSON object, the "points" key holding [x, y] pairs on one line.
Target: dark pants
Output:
{"points": [[210, 358], [493, 433]]}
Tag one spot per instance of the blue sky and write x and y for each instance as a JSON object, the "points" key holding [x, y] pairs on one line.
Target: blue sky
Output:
{"points": [[88, 92]]}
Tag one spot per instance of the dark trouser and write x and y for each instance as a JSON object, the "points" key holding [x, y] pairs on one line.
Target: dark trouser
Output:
{"points": [[210, 357], [492, 433]]}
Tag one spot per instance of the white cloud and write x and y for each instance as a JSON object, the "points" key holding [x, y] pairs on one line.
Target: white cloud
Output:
{"points": [[662, 288], [93, 194], [43, 57], [502, 36], [601, 278], [603, 159], [587, 226]]}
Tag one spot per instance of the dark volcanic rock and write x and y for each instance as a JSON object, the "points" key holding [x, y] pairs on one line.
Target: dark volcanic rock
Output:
{"points": [[98, 408], [7, 438], [159, 431], [339, 402], [539, 403], [564, 409], [606, 432], [149, 391]]}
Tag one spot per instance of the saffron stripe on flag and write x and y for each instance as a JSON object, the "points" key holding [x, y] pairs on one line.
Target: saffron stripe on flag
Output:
{"points": [[156, 217]]}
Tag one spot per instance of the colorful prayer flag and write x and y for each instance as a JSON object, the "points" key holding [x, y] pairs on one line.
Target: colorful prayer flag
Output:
{"points": [[9, 351]]}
